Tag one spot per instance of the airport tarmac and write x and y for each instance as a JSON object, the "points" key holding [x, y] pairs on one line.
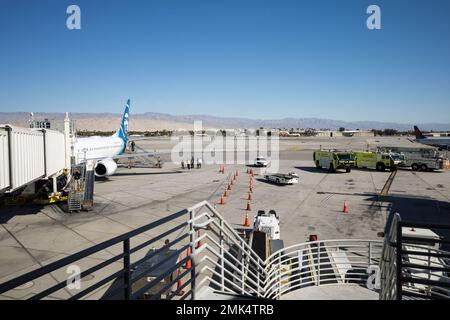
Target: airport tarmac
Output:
{"points": [[34, 236]]}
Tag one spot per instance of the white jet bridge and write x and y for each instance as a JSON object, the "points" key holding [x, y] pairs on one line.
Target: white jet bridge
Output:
{"points": [[31, 154]]}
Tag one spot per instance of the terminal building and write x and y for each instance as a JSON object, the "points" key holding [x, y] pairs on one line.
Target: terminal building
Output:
{"points": [[346, 133]]}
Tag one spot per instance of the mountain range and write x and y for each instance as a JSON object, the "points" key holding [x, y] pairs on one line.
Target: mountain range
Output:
{"points": [[157, 121]]}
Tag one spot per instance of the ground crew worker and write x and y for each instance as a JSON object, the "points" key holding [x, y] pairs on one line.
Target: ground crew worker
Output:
{"points": [[77, 174], [182, 164], [158, 162], [132, 146], [199, 163], [192, 162]]}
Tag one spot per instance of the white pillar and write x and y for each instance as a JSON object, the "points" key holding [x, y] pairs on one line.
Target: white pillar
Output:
{"points": [[68, 140]]}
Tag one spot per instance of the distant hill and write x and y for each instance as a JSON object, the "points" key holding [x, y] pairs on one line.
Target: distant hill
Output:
{"points": [[158, 121]]}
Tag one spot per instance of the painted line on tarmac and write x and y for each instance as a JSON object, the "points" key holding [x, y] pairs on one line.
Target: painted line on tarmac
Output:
{"points": [[387, 185]]}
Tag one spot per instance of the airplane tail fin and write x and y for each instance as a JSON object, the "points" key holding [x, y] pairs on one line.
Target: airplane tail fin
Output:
{"points": [[122, 132], [418, 133]]}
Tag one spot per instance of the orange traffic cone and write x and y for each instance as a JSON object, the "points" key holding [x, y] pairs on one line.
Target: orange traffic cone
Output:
{"points": [[250, 197], [251, 189], [229, 187], [179, 284], [345, 210], [249, 208], [251, 172], [246, 220], [225, 194], [222, 200], [199, 242], [188, 255]]}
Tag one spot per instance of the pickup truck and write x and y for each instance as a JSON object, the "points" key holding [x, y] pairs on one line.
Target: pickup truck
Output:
{"points": [[282, 178]]}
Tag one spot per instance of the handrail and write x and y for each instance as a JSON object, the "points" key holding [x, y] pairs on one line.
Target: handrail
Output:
{"points": [[246, 275], [32, 275], [318, 263], [414, 267], [222, 259]]}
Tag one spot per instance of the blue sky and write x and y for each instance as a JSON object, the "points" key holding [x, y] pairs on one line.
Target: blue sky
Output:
{"points": [[249, 58]]}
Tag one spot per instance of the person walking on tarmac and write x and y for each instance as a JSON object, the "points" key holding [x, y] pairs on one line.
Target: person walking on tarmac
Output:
{"points": [[182, 164], [192, 162], [199, 163]]}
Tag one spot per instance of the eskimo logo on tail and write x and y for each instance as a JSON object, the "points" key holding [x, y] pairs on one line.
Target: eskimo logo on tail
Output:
{"points": [[123, 130]]}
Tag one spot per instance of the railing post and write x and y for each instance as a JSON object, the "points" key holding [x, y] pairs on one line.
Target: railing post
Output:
{"points": [[429, 271], [242, 268], [192, 250], [126, 268], [318, 263], [399, 261], [279, 276], [257, 282], [222, 258]]}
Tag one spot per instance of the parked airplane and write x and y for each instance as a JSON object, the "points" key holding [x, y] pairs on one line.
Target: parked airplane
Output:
{"points": [[104, 150], [441, 142]]}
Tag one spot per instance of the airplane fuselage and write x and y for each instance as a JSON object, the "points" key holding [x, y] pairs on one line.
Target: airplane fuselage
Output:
{"points": [[437, 142], [98, 148]]}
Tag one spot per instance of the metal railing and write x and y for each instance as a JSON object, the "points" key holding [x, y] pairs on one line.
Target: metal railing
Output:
{"points": [[177, 256], [320, 263], [226, 261], [219, 257], [415, 266]]}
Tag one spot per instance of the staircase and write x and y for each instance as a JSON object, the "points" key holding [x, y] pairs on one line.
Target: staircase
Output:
{"points": [[75, 201], [196, 254], [77, 188], [139, 161]]}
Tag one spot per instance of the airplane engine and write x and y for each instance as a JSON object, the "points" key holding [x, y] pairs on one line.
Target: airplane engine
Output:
{"points": [[105, 168]]}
